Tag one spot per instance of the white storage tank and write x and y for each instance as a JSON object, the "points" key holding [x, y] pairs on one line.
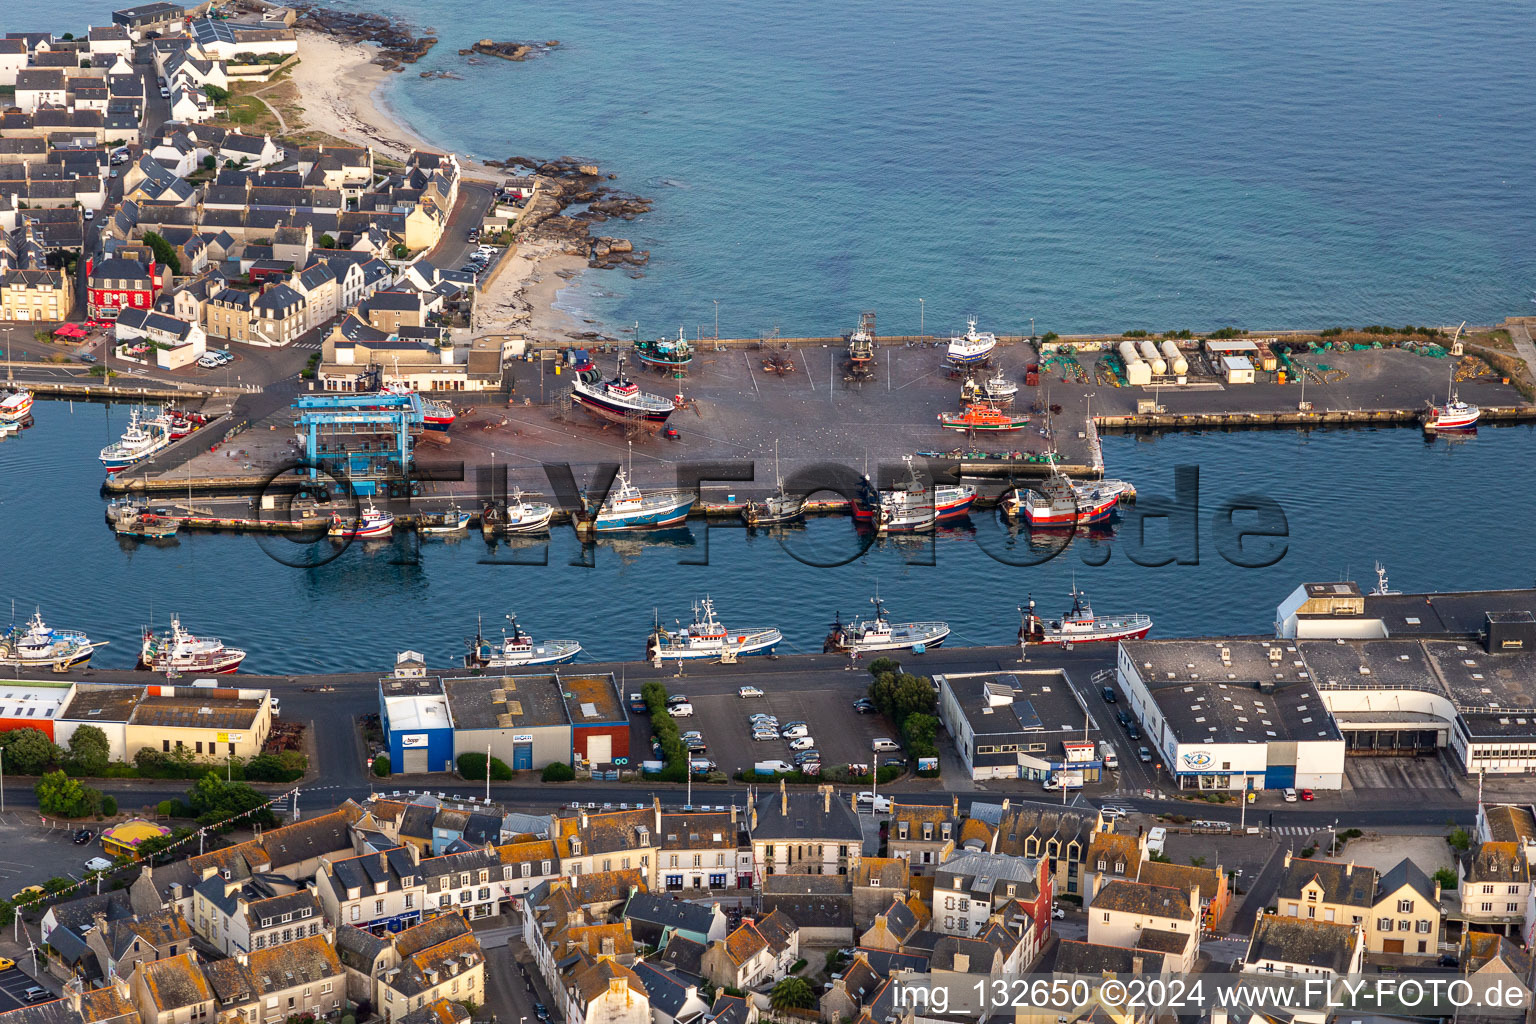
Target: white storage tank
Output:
{"points": [[1137, 373], [1177, 364], [1155, 361], [1128, 353]]}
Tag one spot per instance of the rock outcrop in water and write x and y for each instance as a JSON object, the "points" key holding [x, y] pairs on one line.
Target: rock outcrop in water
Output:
{"points": [[510, 50]]}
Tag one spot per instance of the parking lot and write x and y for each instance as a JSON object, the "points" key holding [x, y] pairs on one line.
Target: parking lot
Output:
{"points": [[13, 983], [823, 701], [31, 854]]}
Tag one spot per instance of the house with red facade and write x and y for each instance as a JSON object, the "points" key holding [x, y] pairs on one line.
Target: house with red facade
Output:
{"points": [[118, 283]]}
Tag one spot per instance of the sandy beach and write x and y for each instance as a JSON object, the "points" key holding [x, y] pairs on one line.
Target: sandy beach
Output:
{"points": [[341, 92]]}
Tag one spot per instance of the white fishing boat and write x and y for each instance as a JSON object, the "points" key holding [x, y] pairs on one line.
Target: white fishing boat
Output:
{"points": [[454, 520], [370, 523], [1080, 625], [971, 347], [180, 651], [877, 633], [37, 643], [15, 406], [707, 638], [627, 507], [516, 516], [517, 650], [781, 507], [142, 439]]}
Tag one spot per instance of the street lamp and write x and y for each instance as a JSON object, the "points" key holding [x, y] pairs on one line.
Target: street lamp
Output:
{"points": [[717, 318], [922, 309], [1031, 328]]}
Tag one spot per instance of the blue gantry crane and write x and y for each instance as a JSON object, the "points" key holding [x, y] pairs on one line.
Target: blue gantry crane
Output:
{"points": [[366, 438]]}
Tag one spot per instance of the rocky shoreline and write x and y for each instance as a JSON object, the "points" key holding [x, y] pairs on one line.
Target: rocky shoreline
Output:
{"points": [[511, 50], [568, 182], [398, 41]]}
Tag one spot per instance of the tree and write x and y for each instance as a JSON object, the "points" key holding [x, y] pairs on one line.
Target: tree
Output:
{"points": [[558, 771], [213, 800], [1447, 879], [919, 730], [89, 751], [65, 797], [792, 993], [165, 252], [400, 251], [381, 766], [1460, 840], [327, 241], [1197, 862], [880, 666], [210, 162], [216, 94], [898, 696], [28, 751]]}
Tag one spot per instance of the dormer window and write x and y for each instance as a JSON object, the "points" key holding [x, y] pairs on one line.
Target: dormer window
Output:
{"points": [[946, 827], [927, 830]]}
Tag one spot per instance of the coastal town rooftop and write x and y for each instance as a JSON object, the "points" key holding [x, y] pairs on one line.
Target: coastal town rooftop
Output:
{"points": [[505, 702]]}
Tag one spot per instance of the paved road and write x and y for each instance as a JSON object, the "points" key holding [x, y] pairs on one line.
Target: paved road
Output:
{"points": [[469, 212], [1521, 336]]}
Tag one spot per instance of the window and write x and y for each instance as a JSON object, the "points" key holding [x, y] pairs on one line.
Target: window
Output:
{"points": [[1312, 912], [1405, 906], [1513, 907], [356, 912], [1423, 927], [1384, 925], [325, 989], [1404, 925], [1106, 916], [1487, 890], [1487, 908], [378, 906], [484, 893], [1514, 890], [526, 869], [410, 900], [1103, 865]]}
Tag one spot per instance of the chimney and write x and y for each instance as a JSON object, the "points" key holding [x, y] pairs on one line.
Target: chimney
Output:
{"points": [[657, 804], [383, 861], [1287, 862], [853, 801], [1349, 870], [962, 963], [754, 819], [954, 807], [783, 799], [826, 799], [1137, 960], [733, 811], [1005, 807], [582, 818], [243, 958]]}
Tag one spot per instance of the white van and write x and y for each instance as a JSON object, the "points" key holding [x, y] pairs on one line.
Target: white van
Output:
{"points": [[883, 745], [878, 804], [205, 684], [681, 711], [1108, 756], [1157, 837]]}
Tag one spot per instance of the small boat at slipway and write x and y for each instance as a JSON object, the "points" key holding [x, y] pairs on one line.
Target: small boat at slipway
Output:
{"points": [[1080, 625], [621, 400], [861, 343], [516, 516], [665, 353], [706, 638], [371, 523], [454, 520], [972, 347], [179, 651], [868, 636], [37, 644], [517, 650]]}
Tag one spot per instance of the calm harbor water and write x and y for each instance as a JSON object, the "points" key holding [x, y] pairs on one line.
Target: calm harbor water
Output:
{"points": [[1350, 498]]}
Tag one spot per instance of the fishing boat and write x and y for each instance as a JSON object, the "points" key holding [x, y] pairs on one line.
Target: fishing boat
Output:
{"points": [[36, 643], [179, 651], [621, 399], [517, 650], [870, 635], [370, 523], [517, 516], [142, 439], [627, 507], [1080, 625], [665, 353], [897, 516], [136, 522], [946, 501], [16, 406], [706, 638], [999, 388], [983, 415], [1453, 416], [1057, 502], [8, 427], [781, 507], [861, 343], [971, 347], [454, 520]]}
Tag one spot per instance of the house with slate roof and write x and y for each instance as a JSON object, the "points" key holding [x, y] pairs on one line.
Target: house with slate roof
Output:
{"points": [[1300, 946]]}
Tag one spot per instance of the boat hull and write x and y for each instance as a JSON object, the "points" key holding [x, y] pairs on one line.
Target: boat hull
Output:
{"points": [[220, 667], [1058, 637], [969, 356], [891, 643], [613, 408], [556, 652], [650, 519], [748, 642]]}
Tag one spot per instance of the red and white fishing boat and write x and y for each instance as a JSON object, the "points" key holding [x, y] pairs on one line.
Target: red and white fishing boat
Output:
{"points": [[983, 416], [437, 416], [15, 406], [909, 504], [1060, 503], [1454, 415], [371, 522], [180, 651], [1080, 625]]}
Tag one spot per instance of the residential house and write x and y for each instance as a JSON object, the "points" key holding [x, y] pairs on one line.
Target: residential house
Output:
{"points": [[364, 956], [40, 87], [701, 850], [875, 881], [374, 890], [465, 883], [754, 954], [438, 959], [278, 316], [1301, 946], [844, 995], [1405, 917], [1211, 881], [149, 337], [654, 919], [821, 905], [1325, 890], [804, 833], [556, 909], [673, 999], [189, 103], [1495, 884], [37, 295], [107, 43], [229, 314], [116, 283], [971, 887], [605, 842], [13, 60], [298, 978], [1061, 835], [1152, 917], [249, 151], [895, 926], [440, 1011], [389, 311], [923, 834], [172, 990], [321, 291], [238, 916], [1111, 855], [1488, 955], [605, 992]]}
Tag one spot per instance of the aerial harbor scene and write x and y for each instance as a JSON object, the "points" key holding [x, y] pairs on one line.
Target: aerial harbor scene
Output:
{"points": [[677, 514]]}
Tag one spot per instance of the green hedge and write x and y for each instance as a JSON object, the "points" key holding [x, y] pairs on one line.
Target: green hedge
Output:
{"points": [[472, 767], [381, 766], [558, 771]]}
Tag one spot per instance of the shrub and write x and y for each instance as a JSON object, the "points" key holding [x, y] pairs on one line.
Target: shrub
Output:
{"points": [[59, 794], [558, 771], [472, 766], [1447, 878], [210, 162], [1460, 840], [269, 768], [28, 751], [89, 751], [381, 766], [108, 805]]}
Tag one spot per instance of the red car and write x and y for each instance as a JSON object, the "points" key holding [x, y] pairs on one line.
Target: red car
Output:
{"points": [[1306, 794]]}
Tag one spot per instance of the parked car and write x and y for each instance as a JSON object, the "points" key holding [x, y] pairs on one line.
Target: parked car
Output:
{"points": [[864, 706], [794, 732], [682, 711], [36, 994], [701, 766], [1109, 695], [1057, 914], [676, 698], [98, 864], [86, 357], [1290, 795], [1306, 794], [1144, 754], [765, 734], [882, 743], [749, 691], [808, 756], [83, 836], [879, 804], [28, 894], [1123, 717], [1133, 731]]}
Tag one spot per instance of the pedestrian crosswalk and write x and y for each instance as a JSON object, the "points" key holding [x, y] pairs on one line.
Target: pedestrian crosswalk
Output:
{"points": [[1293, 830], [310, 346]]}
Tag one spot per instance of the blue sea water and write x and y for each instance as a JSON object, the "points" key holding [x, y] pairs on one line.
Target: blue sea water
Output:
{"points": [[1093, 167]]}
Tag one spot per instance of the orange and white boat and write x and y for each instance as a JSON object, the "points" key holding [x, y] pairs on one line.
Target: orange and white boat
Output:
{"points": [[15, 406], [983, 416]]}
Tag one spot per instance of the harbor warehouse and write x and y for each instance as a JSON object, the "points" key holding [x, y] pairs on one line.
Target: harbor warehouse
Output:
{"points": [[417, 725], [1019, 725], [599, 723], [520, 719], [1229, 715], [213, 724]]}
